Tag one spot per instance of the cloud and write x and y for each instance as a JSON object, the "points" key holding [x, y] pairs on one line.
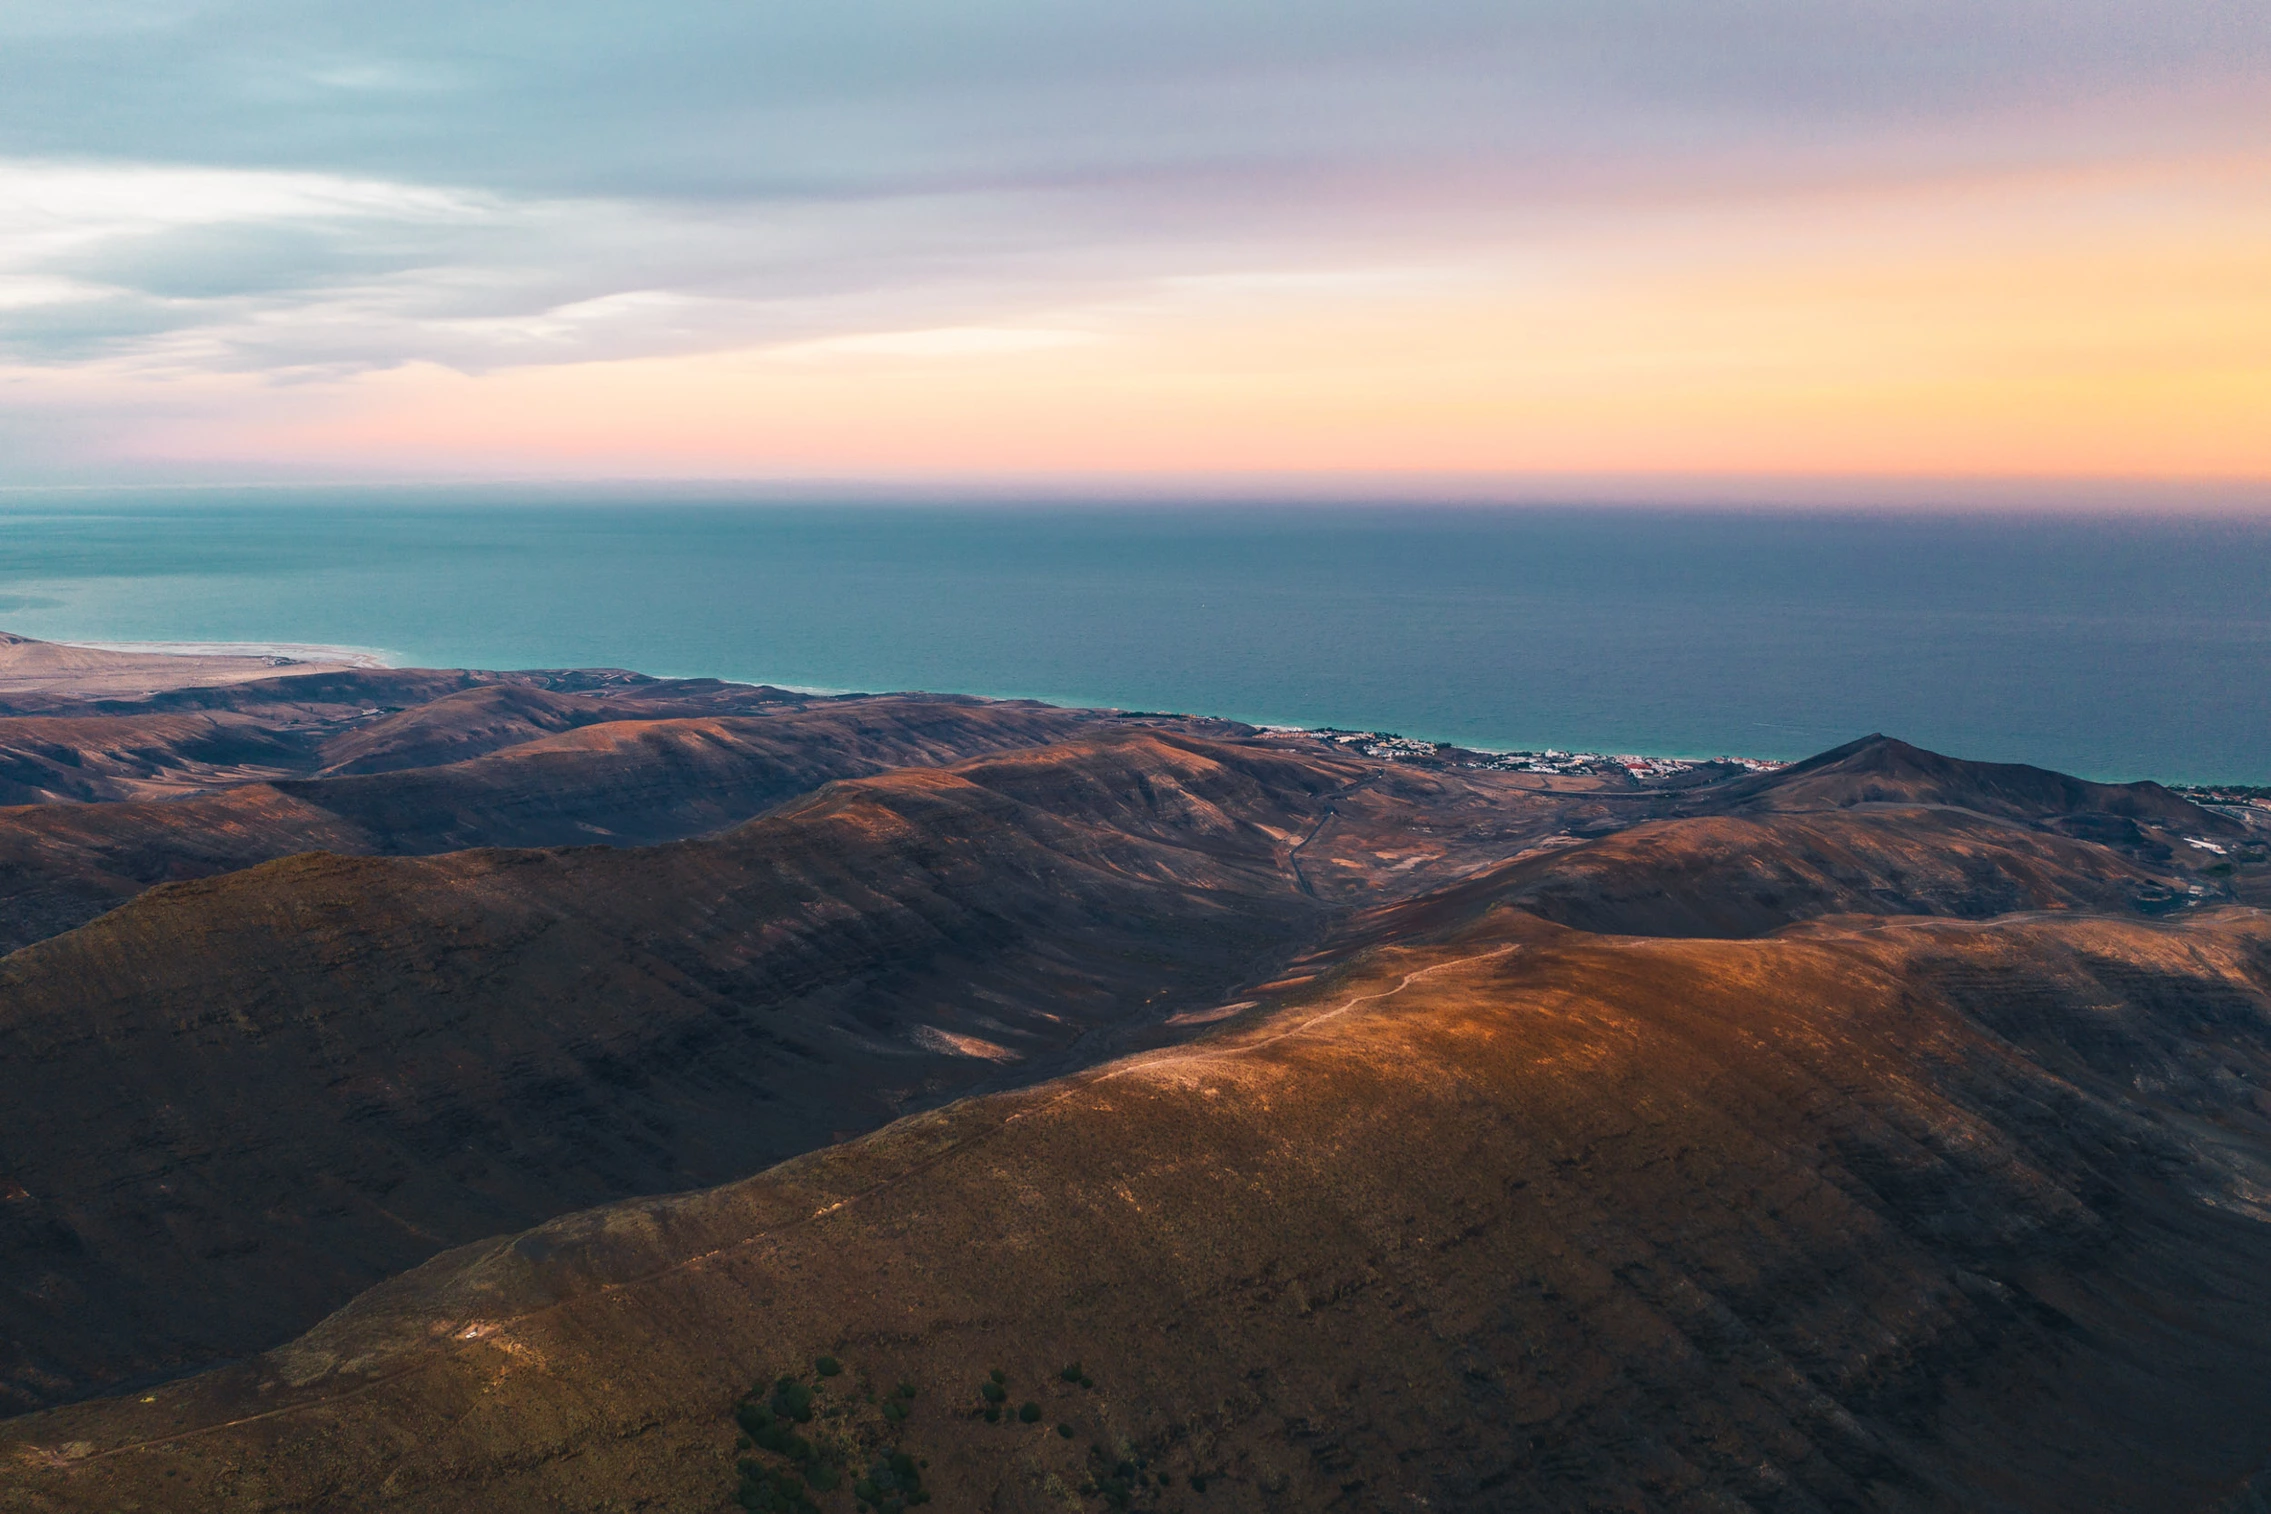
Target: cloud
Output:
{"points": [[938, 342], [301, 191]]}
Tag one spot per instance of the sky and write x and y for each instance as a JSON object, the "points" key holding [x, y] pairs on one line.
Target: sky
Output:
{"points": [[1460, 241]]}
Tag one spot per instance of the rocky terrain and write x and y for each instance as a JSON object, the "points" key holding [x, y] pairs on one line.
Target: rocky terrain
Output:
{"points": [[1017, 1108]]}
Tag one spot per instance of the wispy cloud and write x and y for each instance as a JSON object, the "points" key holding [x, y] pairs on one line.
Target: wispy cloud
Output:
{"points": [[246, 194]]}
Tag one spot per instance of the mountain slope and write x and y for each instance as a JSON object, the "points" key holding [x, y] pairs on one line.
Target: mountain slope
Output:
{"points": [[1616, 1148], [623, 782], [1747, 875], [1881, 770], [97, 758], [1512, 1218], [234, 1102], [490, 717]]}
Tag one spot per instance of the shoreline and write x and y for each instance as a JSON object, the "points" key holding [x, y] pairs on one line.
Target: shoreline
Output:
{"points": [[1568, 763], [285, 652]]}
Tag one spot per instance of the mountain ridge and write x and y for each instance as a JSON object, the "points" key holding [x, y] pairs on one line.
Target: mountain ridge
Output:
{"points": [[1368, 1131], [479, 1380]]}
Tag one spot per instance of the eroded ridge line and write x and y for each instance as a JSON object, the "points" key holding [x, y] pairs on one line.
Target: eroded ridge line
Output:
{"points": [[1313, 1021]]}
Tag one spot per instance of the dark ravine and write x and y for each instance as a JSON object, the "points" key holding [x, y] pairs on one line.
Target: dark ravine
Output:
{"points": [[1378, 1135]]}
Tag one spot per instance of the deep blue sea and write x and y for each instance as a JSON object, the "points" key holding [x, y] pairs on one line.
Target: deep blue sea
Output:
{"points": [[2110, 647]]}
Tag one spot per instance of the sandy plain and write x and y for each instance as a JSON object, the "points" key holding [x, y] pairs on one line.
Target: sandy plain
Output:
{"points": [[132, 669]]}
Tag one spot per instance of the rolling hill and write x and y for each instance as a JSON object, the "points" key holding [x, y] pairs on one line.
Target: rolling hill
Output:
{"points": [[622, 781], [1513, 1217], [561, 1056]]}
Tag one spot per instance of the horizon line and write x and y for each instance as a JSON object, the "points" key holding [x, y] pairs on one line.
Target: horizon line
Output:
{"points": [[2178, 494]]}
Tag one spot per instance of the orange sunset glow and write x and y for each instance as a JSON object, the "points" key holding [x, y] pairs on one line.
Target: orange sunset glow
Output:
{"points": [[2030, 290]]}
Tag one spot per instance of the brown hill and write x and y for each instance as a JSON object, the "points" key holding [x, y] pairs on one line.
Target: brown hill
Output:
{"points": [[1881, 770], [1455, 1208], [1737, 876], [1901, 1216], [623, 782], [350, 721], [97, 758], [491, 717], [232, 1103], [468, 723], [111, 750], [307, 1075]]}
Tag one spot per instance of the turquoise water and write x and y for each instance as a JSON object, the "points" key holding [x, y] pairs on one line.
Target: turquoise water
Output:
{"points": [[2113, 648]]}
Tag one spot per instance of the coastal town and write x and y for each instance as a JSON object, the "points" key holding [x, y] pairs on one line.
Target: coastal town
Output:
{"points": [[2249, 804], [1387, 746]]}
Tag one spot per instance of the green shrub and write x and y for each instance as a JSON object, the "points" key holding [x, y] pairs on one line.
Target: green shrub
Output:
{"points": [[993, 1414], [1030, 1412], [792, 1400], [906, 1390], [894, 1481], [822, 1477], [1198, 1482], [768, 1492], [778, 1438], [999, 1377], [827, 1366], [1072, 1374], [753, 1417], [1065, 1431], [993, 1392], [894, 1411]]}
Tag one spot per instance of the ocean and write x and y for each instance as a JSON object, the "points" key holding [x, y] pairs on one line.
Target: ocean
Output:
{"points": [[2111, 647]]}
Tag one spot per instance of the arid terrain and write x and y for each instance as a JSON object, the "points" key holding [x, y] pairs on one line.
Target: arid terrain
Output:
{"points": [[450, 1090]]}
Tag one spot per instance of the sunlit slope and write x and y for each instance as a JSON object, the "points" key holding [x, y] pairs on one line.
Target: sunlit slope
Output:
{"points": [[1514, 1218], [466, 724], [233, 1103], [1747, 875], [1881, 770], [626, 781], [95, 758]]}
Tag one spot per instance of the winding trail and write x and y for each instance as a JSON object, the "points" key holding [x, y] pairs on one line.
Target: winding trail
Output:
{"points": [[1331, 813], [1216, 1053]]}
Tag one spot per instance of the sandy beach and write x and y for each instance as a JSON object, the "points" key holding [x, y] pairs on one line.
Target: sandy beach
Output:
{"points": [[132, 669], [272, 652]]}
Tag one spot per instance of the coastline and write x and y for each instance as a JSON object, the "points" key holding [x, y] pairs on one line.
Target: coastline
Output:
{"points": [[1647, 768], [285, 651]]}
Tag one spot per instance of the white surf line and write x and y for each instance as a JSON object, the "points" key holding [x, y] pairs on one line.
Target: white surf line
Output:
{"points": [[298, 651]]}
